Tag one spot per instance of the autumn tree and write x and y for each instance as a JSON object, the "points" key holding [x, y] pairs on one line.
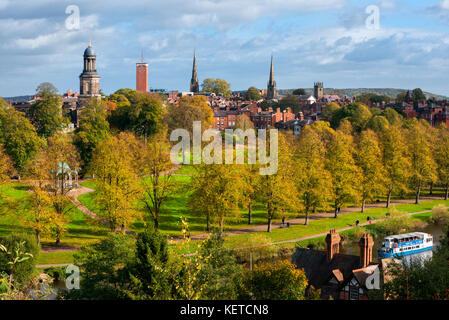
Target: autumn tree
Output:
{"points": [[278, 191], [345, 174], [46, 112], [251, 178], [442, 158], [216, 192], [395, 160], [368, 158], [5, 166], [118, 185], [423, 169], [146, 114], [314, 182], [158, 184]]}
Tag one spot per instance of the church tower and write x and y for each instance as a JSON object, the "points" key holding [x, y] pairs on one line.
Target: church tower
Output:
{"points": [[318, 90], [89, 79], [194, 85], [271, 87]]}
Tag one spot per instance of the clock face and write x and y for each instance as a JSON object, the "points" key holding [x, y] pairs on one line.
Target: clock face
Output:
{"points": [[141, 70]]}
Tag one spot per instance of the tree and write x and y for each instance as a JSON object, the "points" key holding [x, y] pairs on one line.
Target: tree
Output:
{"points": [[113, 163], [19, 138], [420, 149], [395, 160], [442, 158], [216, 192], [314, 181], [104, 268], [5, 167], [159, 185], [289, 101], [253, 94], [357, 113], [329, 111], [418, 95], [148, 273], [93, 128], [46, 112], [251, 179], [118, 118], [217, 86], [299, 92], [52, 169], [345, 174], [146, 114], [190, 109], [369, 159], [244, 123], [281, 281], [278, 190]]}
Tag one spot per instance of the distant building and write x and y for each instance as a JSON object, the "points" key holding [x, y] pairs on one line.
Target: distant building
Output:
{"points": [[194, 84], [142, 76], [318, 90], [271, 86], [89, 78]]}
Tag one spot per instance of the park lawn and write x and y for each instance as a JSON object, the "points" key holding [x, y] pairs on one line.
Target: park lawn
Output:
{"points": [[81, 229], [56, 257], [324, 225]]}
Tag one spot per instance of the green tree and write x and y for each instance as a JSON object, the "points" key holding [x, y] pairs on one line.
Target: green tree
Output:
{"points": [[329, 111], [357, 113], [299, 92], [93, 128], [217, 86], [442, 158], [19, 138], [146, 115], [418, 95], [46, 113], [289, 101], [253, 94]]}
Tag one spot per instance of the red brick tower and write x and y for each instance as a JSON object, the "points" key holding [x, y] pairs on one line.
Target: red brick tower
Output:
{"points": [[333, 244], [366, 244], [142, 76]]}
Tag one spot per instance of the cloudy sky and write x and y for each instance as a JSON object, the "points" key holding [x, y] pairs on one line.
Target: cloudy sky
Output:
{"points": [[319, 40]]}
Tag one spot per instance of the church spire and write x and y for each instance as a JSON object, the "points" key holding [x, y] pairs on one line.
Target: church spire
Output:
{"points": [[194, 85], [271, 87]]}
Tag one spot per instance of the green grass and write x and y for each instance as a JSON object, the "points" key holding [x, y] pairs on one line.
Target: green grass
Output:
{"points": [[56, 257]]}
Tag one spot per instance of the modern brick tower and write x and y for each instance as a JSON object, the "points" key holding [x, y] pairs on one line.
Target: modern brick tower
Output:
{"points": [[366, 244], [142, 76], [333, 244]]}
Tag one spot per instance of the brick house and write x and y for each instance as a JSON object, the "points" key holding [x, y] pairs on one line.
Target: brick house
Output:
{"points": [[339, 276]]}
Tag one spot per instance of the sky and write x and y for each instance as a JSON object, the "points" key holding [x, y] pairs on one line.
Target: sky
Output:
{"points": [[338, 42]]}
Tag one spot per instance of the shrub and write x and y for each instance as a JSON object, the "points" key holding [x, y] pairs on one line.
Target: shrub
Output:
{"points": [[24, 270], [440, 215]]}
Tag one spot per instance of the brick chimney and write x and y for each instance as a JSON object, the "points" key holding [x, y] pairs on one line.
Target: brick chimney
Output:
{"points": [[366, 244], [333, 244]]}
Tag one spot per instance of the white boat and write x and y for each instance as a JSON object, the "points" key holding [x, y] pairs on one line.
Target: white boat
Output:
{"points": [[405, 244]]}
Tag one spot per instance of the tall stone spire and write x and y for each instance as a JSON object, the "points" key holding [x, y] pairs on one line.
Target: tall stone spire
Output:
{"points": [[271, 87], [194, 85]]}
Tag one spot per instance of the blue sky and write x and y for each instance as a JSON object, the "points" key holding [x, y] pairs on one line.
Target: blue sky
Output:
{"points": [[320, 40]]}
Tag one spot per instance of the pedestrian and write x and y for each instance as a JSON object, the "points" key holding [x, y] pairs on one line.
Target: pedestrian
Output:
{"points": [[357, 223]]}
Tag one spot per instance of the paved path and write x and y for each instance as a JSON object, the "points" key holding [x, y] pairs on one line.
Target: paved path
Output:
{"points": [[297, 221]]}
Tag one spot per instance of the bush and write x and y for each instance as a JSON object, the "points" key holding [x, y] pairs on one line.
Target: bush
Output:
{"points": [[25, 270], [397, 226], [440, 215]]}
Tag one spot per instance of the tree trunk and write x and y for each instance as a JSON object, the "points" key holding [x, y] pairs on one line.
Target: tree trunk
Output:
{"points": [[38, 237], [156, 224], [307, 217], [363, 205], [269, 225], [418, 192], [336, 211], [250, 213], [446, 195], [431, 188], [58, 236], [388, 199], [208, 223]]}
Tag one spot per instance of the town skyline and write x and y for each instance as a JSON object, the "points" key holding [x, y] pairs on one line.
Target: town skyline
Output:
{"points": [[325, 41]]}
